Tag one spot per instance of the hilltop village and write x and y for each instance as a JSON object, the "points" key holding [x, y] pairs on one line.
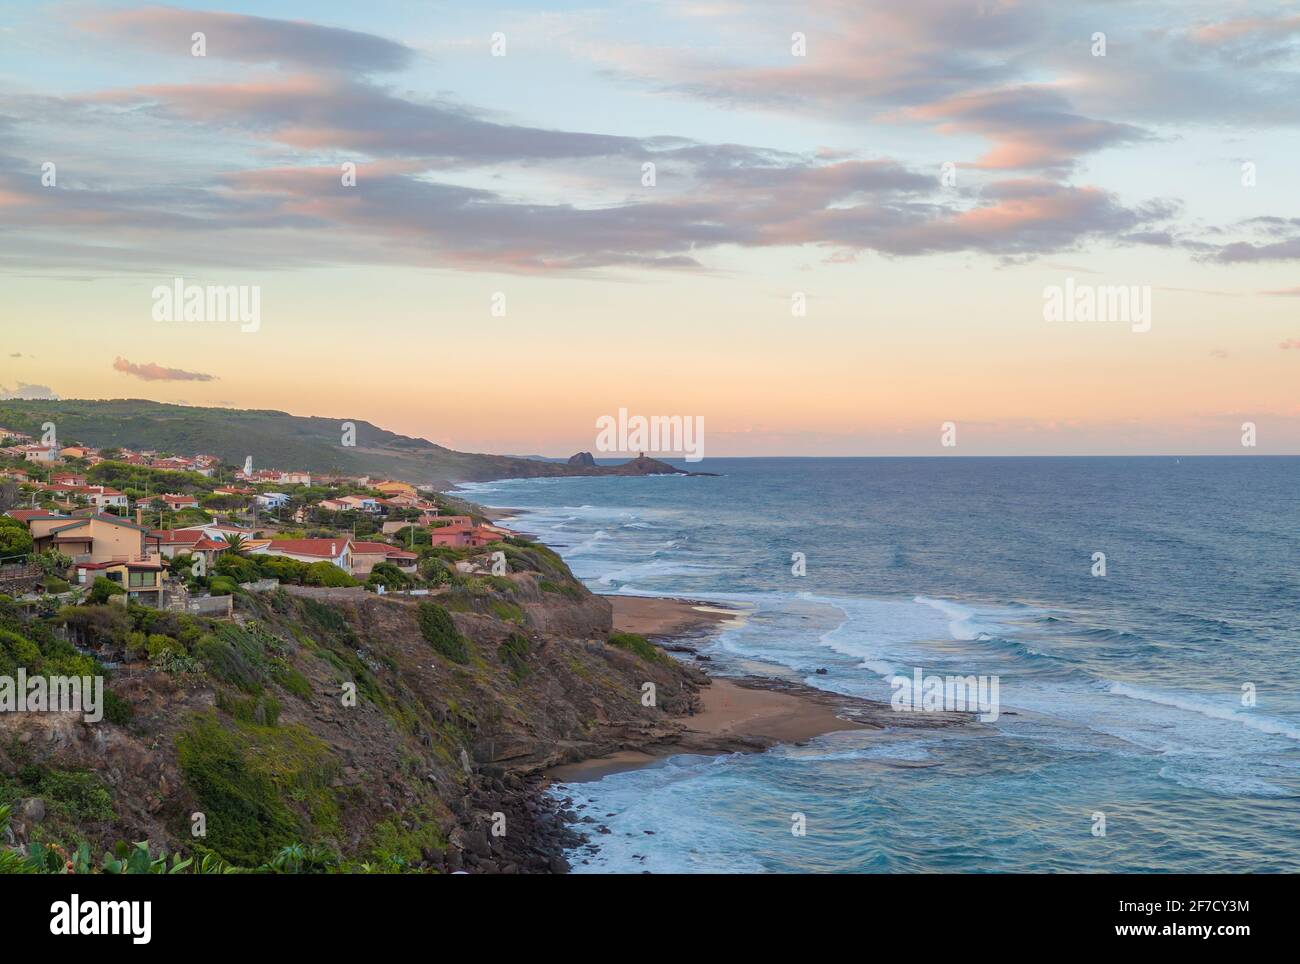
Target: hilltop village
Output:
{"points": [[181, 531]]}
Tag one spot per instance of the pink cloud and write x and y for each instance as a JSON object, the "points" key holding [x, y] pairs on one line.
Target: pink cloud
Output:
{"points": [[153, 372]]}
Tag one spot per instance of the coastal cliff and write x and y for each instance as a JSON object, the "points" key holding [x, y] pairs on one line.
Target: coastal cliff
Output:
{"points": [[381, 732]]}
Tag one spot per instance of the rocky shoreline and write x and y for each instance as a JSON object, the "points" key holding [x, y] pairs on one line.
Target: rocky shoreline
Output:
{"points": [[747, 714], [714, 715]]}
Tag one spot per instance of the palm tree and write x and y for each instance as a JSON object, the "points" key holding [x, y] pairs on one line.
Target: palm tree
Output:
{"points": [[236, 542]]}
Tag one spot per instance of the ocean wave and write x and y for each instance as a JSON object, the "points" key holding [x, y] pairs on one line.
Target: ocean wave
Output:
{"points": [[1206, 708]]}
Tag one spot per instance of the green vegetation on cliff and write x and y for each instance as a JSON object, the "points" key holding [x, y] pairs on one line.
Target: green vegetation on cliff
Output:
{"points": [[325, 730]]}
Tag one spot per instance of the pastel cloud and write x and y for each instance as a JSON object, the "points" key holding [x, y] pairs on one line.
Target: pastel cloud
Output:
{"points": [[956, 68], [153, 372], [1031, 127], [313, 112], [248, 39]]}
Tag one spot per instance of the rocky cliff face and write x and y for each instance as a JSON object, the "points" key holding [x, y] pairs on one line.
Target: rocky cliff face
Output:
{"points": [[375, 728]]}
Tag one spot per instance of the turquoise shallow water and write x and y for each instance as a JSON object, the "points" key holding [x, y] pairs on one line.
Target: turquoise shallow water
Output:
{"points": [[1120, 695]]}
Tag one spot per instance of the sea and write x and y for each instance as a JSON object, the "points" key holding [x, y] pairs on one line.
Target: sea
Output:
{"points": [[1141, 617]]}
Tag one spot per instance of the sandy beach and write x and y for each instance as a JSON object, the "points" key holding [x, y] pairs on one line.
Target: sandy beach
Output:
{"points": [[744, 714], [659, 618], [734, 717]]}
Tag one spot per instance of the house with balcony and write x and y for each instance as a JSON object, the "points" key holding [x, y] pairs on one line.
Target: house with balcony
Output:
{"points": [[105, 545], [461, 535]]}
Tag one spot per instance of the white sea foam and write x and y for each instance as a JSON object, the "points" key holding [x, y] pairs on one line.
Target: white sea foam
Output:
{"points": [[1213, 710]]}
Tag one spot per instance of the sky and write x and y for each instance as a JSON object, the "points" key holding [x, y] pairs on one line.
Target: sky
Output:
{"points": [[824, 227]]}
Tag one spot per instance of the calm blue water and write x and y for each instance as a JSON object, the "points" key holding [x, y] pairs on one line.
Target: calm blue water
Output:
{"points": [[1120, 695]]}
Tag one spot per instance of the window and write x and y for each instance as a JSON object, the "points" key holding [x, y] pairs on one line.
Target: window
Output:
{"points": [[143, 579]]}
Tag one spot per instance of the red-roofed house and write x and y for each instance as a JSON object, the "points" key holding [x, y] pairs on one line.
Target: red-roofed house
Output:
{"points": [[464, 536], [178, 502], [367, 555], [337, 551], [104, 497], [180, 542], [26, 515], [390, 487]]}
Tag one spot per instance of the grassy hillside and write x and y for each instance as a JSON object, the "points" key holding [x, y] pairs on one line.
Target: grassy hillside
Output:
{"points": [[273, 439]]}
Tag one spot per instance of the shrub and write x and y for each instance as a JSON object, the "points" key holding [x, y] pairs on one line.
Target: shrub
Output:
{"points": [[102, 589], [291, 571], [157, 644], [52, 562], [639, 646], [514, 654], [247, 819], [507, 611], [116, 709], [76, 794], [262, 710], [237, 568], [438, 628], [97, 625], [563, 589], [389, 576], [137, 644], [21, 650], [15, 540], [222, 586], [170, 662], [292, 680], [435, 570], [329, 575], [229, 663]]}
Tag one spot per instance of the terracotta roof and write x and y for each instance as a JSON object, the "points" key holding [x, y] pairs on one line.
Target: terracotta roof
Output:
{"points": [[325, 548], [26, 515], [393, 552], [129, 565], [178, 536]]}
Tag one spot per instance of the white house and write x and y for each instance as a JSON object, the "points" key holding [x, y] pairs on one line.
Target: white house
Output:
{"points": [[272, 500], [41, 453], [219, 530], [361, 503]]}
